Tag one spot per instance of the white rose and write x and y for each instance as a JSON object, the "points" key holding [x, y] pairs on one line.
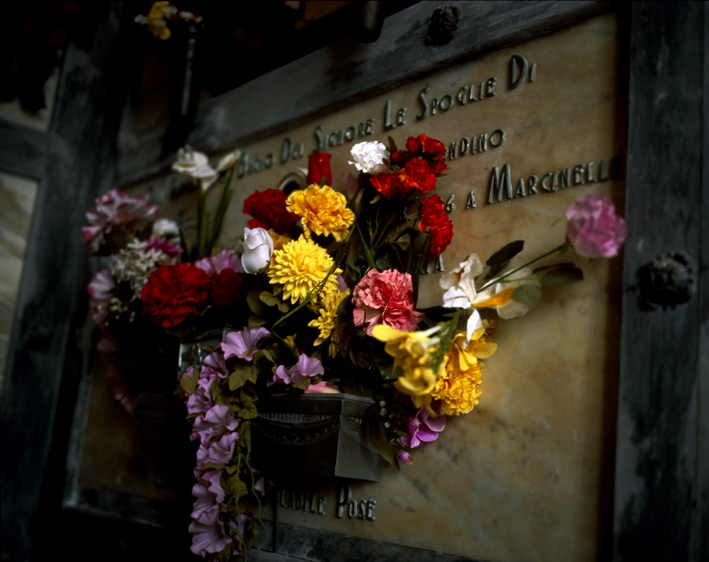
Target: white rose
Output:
{"points": [[369, 157], [256, 250]]}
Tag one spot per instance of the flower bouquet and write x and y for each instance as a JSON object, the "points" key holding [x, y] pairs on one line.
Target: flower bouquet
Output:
{"points": [[326, 291]]}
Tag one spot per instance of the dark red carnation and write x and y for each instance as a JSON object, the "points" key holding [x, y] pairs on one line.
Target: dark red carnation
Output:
{"points": [[269, 208], [434, 217], [172, 293], [319, 168], [226, 287], [418, 174]]}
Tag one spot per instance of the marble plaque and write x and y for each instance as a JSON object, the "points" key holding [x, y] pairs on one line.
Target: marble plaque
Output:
{"points": [[527, 475]]}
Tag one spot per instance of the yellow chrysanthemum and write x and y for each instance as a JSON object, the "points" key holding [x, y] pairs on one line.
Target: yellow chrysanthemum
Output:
{"points": [[156, 20], [299, 267], [327, 322], [324, 210], [458, 385]]}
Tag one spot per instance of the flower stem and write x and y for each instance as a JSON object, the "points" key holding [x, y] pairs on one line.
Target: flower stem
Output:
{"points": [[560, 249]]}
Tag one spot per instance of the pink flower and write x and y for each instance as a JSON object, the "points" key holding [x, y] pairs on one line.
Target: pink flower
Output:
{"points": [[322, 387], [201, 399], [162, 244], [214, 365], [404, 456], [213, 424], [117, 215], [226, 259], [423, 428], [207, 491], [244, 343], [305, 368], [208, 535], [101, 290], [385, 298], [218, 452], [593, 228]]}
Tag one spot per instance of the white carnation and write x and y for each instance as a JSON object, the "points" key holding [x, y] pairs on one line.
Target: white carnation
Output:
{"points": [[369, 157]]}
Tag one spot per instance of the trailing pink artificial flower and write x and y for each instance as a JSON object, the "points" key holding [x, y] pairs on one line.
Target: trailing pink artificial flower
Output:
{"points": [[201, 399], [116, 215], [207, 491], [594, 229], [208, 535], [385, 298], [211, 426], [244, 343], [218, 452], [305, 368], [214, 365]]}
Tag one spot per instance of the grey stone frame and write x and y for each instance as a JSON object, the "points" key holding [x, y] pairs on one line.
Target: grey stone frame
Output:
{"points": [[661, 489]]}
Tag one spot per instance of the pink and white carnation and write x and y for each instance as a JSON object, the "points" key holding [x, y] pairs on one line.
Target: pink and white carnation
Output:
{"points": [[117, 213], [213, 424], [214, 265], [165, 246], [385, 298], [135, 262], [101, 291], [593, 228], [305, 368], [244, 343]]}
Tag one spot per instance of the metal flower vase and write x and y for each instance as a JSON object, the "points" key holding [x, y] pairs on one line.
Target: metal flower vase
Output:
{"points": [[321, 434]]}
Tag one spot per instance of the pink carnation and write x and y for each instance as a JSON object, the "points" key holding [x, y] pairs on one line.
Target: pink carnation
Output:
{"points": [[117, 213], [101, 292], [385, 298], [593, 228], [226, 259]]}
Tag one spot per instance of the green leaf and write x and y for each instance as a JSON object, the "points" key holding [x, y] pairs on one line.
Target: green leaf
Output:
{"points": [[506, 253], [270, 299], [552, 266], [500, 259], [248, 409], [528, 295], [302, 385], [254, 302], [189, 384], [374, 430], [240, 375], [562, 276]]}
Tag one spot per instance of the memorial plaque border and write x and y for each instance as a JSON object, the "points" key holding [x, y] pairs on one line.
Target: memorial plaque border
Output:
{"points": [[662, 474]]}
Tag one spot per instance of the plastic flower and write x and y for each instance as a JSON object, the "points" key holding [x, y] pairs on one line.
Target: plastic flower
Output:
{"points": [[458, 385], [214, 265], [385, 298], [322, 387], [117, 218], [370, 157], [207, 491], [436, 221], [593, 228], [305, 368], [208, 535], [213, 424], [101, 290], [417, 174], [201, 399], [193, 164], [319, 168], [422, 428], [218, 452], [175, 292], [244, 343], [459, 283], [300, 266], [499, 295], [268, 208], [327, 324], [412, 353], [256, 250], [135, 262], [323, 210]]}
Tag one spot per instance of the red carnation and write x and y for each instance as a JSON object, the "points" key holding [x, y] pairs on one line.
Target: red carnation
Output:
{"points": [[433, 217], [268, 207], [418, 174], [226, 287], [387, 184], [174, 292]]}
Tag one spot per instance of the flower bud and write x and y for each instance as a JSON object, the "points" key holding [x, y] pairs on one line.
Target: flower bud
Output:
{"points": [[256, 249]]}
